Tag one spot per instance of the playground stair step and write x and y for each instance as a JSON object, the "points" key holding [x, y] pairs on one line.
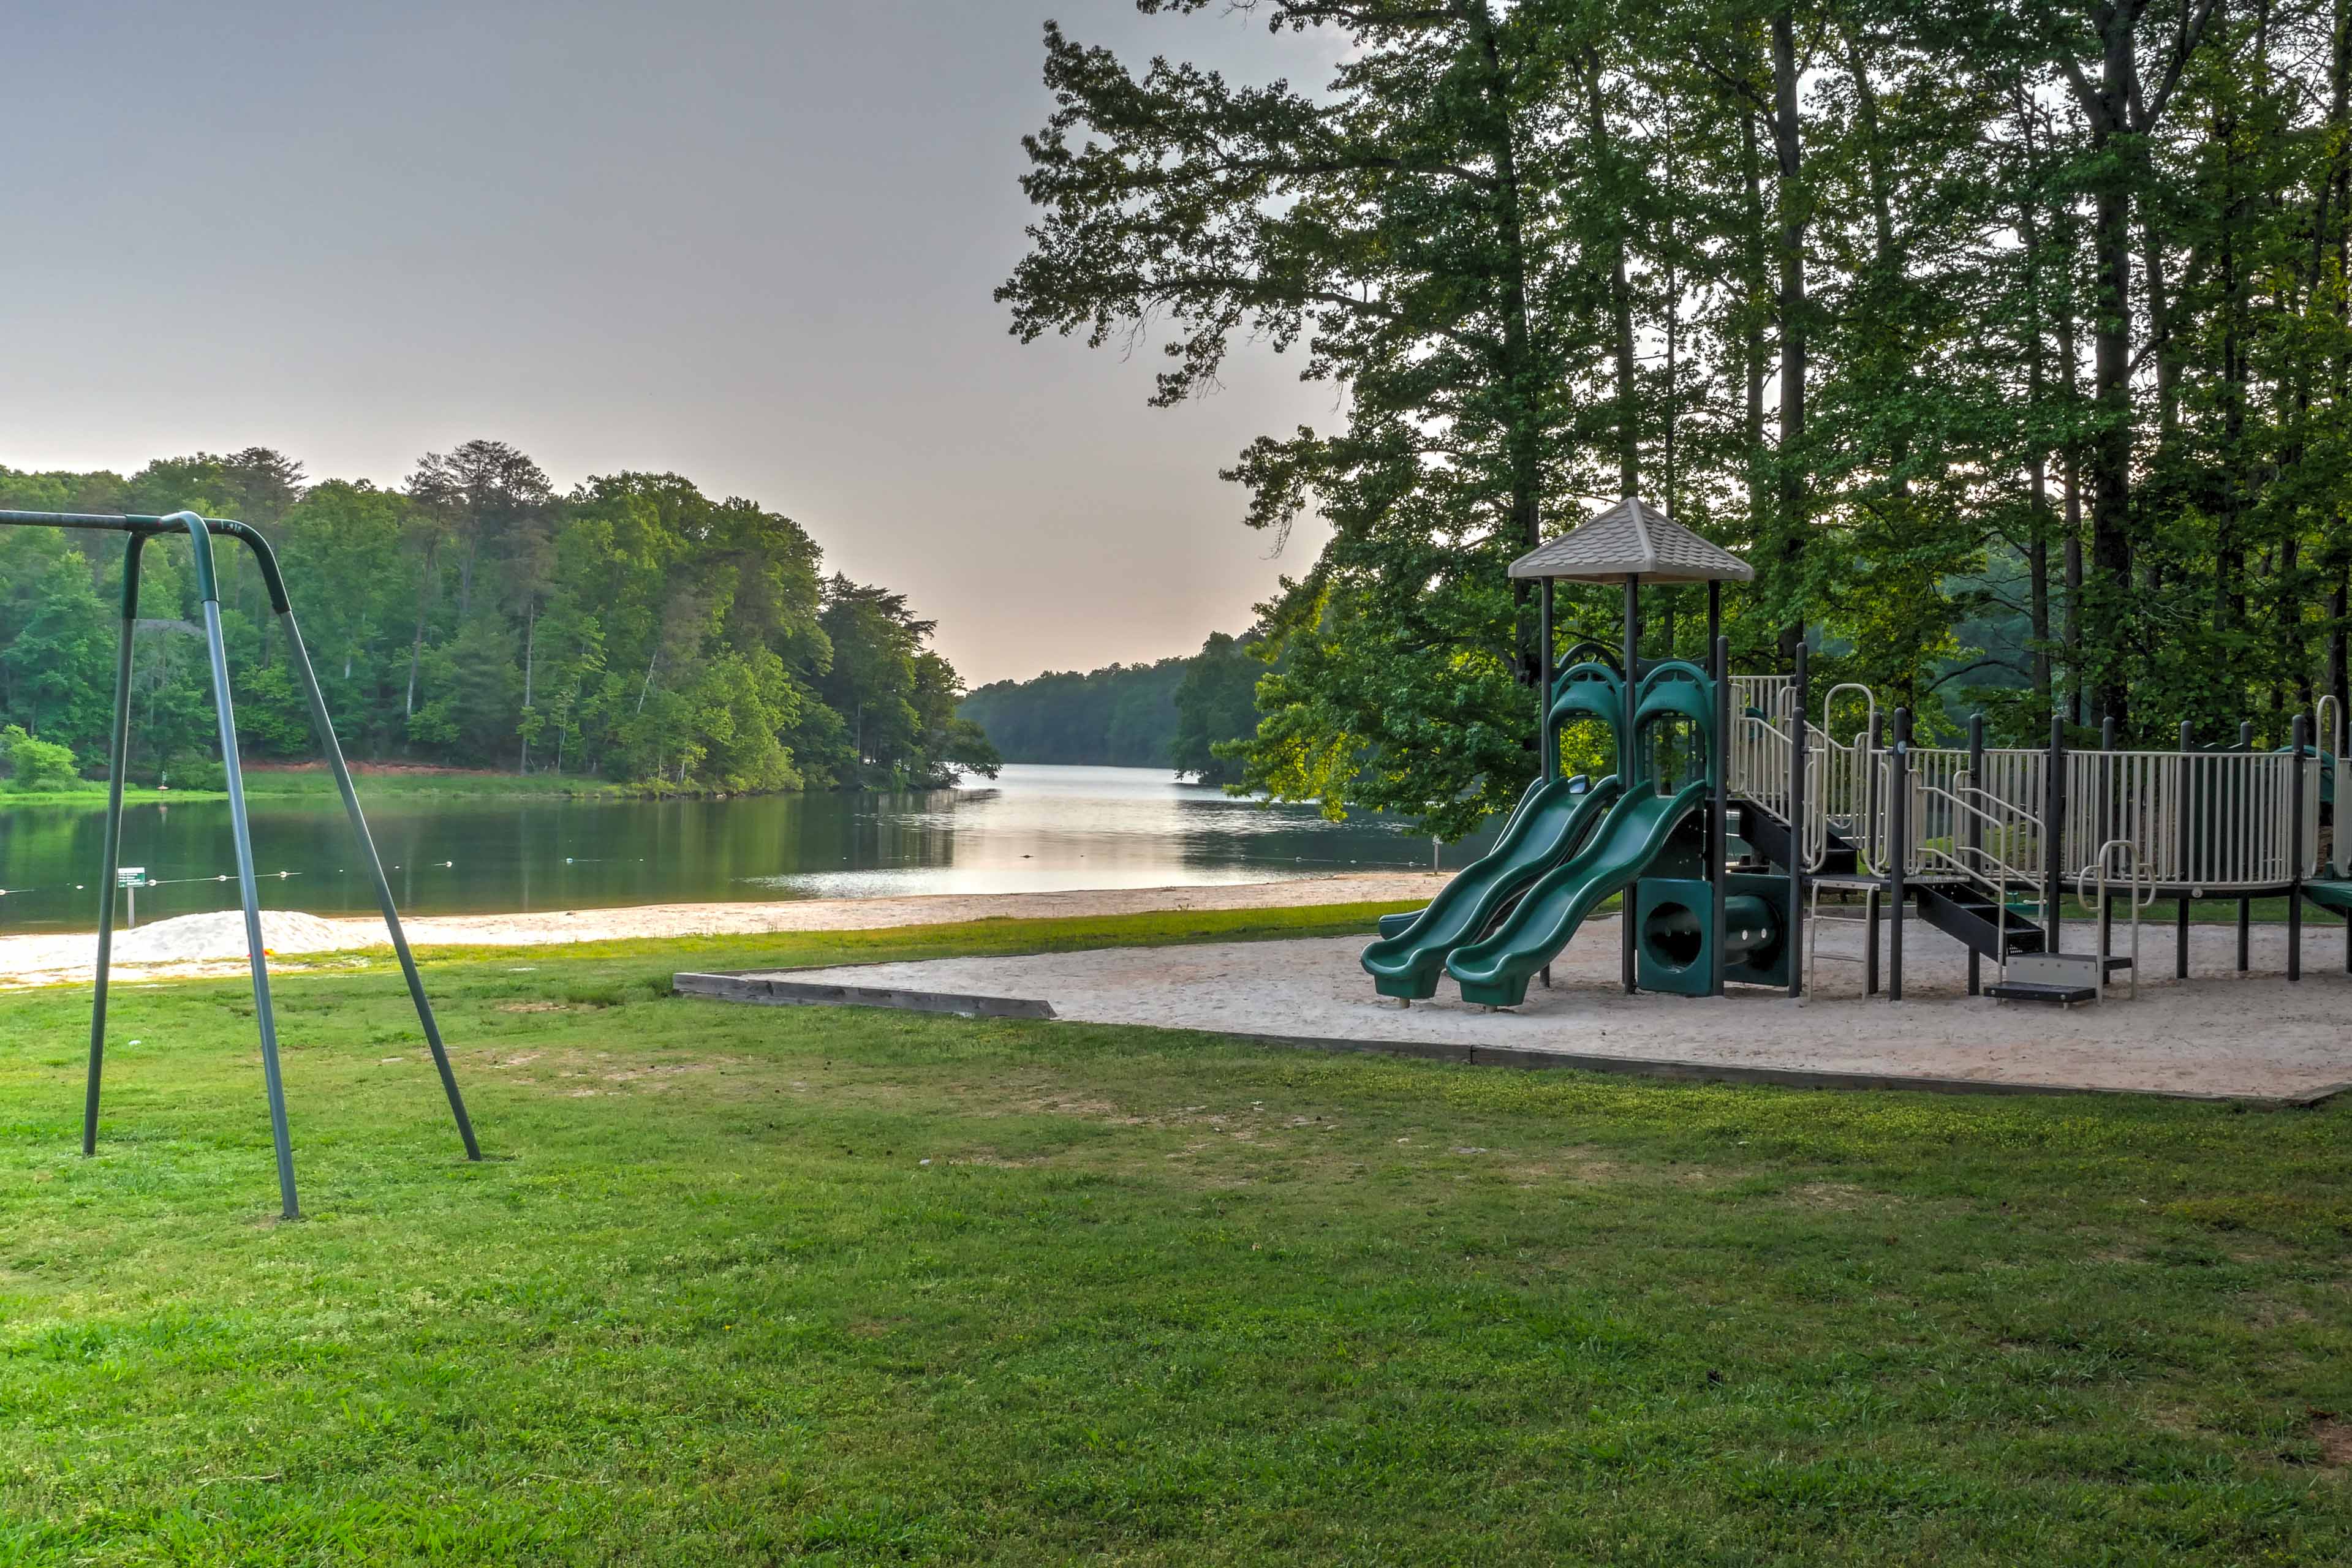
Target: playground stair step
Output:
{"points": [[2041, 991], [1765, 832], [1969, 915]]}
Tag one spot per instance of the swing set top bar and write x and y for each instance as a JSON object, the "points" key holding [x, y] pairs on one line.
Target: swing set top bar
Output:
{"points": [[189, 523]]}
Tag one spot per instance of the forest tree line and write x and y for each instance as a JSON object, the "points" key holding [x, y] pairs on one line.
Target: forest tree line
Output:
{"points": [[1188, 713], [632, 629], [2027, 314]]}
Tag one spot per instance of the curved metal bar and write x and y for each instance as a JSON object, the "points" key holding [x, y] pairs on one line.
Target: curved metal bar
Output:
{"points": [[1829, 703]]}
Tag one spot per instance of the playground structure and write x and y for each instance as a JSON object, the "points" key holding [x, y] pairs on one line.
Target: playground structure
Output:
{"points": [[1732, 811], [200, 532]]}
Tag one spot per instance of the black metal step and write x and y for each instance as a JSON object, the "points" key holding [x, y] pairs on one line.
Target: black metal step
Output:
{"points": [[2117, 963], [2041, 991], [1767, 835], [1971, 918]]}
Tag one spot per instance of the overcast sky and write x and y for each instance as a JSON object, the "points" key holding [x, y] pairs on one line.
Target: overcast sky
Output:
{"points": [[751, 243]]}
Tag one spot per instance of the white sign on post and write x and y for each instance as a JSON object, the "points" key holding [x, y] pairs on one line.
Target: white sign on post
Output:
{"points": [[130, 879]]}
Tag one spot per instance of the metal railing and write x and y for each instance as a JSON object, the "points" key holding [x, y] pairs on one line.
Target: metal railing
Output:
{"points": [[2204, 823], [2002, 854], [2143, 893]]}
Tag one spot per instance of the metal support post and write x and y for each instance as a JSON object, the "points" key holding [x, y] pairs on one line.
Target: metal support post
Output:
{"points": [[1898, 833], [2053, 837], [118, 755], [1630, 768], [1976, 853], [2106, 832], [375, 864], [1799, 746], [2300, 733], [241, 831], [1548, 745], [1718, 845], [2187, 843]]}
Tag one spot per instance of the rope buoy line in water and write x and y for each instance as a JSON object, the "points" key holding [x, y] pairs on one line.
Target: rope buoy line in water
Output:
{"points": [[186, 880]]}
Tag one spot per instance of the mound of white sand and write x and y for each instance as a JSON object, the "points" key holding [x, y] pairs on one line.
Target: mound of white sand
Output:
{"points": [[195, 937]]}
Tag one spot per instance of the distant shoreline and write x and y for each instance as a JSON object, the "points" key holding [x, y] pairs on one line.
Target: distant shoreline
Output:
{"points": [[376, 780]]}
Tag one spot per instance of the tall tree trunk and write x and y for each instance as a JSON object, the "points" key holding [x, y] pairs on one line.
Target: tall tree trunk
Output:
{"points": [[1752, 335], [1620, 293], [416, 645], [1523, 440], [1789, 150], [2037, 459], [529, 648]]}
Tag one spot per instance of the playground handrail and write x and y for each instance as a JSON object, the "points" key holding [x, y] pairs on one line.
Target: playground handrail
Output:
{"points": [[2140, 901], [2200, 822], [1979, 862]]}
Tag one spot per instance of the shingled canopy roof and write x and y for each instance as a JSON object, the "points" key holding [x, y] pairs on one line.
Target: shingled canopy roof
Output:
{"points": [[1632, 539]]}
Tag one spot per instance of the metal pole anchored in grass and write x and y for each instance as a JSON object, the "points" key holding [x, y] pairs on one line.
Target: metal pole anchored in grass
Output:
{"points": [[118, 754], [241, 835]]}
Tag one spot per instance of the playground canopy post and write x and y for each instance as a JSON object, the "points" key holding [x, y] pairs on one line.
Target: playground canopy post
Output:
{"points": [[200, 531]]}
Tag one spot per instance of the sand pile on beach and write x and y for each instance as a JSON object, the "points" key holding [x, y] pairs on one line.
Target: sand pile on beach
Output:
{"points": [[193, 938]]}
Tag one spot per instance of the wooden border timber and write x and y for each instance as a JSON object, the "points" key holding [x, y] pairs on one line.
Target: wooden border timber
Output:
{"points": [[761, 989]]}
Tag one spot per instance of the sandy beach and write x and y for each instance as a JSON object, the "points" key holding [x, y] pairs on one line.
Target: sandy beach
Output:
{"points": [[214, 944]]}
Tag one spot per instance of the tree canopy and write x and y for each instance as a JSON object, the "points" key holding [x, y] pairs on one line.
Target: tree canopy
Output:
{"points": [[1171, 714], [2008, 339], [634, 629]]}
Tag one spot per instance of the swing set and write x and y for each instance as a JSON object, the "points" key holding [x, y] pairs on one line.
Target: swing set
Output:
{"points": [[200, 532]]}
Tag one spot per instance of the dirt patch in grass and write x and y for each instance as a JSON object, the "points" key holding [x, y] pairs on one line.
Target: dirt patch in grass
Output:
{"points": [[2335, 1440], [1841, 1197]]}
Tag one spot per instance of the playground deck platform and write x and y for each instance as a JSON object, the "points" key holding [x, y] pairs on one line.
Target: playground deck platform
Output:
{"points": [[2252, 1037]]}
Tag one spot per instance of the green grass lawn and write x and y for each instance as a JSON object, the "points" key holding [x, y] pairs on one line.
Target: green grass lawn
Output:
{"points": [[758, 1285]]}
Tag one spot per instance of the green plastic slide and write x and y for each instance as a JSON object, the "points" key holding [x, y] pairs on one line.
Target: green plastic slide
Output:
{"points": [[1551, 824], [1496, 969], [1390, 924]]}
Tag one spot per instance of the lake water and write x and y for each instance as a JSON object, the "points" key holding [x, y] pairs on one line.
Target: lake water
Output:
{"points": [[1036, 828]]}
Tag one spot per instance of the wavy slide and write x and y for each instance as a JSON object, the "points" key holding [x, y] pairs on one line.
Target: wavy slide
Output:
{"points": [[1495, 970], [1552, 823], [1392, 925]]}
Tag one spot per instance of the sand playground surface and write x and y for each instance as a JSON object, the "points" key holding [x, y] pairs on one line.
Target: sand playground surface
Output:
{"points": [[2253, 1036]]}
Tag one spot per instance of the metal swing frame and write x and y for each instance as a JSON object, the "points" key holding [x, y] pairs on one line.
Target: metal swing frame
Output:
{"points": [[200, 532]]}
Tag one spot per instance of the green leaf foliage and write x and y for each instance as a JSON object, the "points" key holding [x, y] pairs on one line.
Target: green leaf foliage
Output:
{"points": [[635, 630], [2009, 343]]}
